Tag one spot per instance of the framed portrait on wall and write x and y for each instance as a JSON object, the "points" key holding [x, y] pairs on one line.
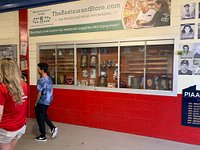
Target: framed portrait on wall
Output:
{"points": [[93, 60], [199, 11], [199, 30], [187, 31], [188, 11], [9, 51], [84, 60]]}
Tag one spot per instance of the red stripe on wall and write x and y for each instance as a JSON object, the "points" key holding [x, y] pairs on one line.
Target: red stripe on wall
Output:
{"points": [[24, 38], [153, 116]]}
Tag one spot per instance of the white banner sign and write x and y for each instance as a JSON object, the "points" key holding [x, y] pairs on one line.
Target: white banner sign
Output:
{"points": [[96, 15]]}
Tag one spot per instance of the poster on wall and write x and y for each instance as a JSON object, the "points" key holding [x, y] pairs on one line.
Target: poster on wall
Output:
{"points": [[9, 51], [191, 107], [199, 30], [188, 11], [95, 15], [187, 49], [185, 67], [187, 31]]}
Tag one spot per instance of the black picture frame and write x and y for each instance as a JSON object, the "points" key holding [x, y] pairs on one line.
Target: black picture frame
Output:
{"points": [[163, 84], [84, 60], [150, 83], [93, 60], [134, 82], [102, 82]]}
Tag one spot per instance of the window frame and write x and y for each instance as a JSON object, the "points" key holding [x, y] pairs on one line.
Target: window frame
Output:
{"points": [[76, 45]]}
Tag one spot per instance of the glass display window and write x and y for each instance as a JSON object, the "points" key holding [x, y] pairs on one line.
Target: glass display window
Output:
{"points": [[47, 55], [132, 66], [147, 65], [61, 63], [159, 67], [97, 66], [65, 66], [127, 66]]}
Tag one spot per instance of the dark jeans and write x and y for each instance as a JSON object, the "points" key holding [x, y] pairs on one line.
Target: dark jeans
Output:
{"points": [[42, 117]]}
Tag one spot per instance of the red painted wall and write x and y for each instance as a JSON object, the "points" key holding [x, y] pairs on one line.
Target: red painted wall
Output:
{"points": [[154, 116], [24, 37]]}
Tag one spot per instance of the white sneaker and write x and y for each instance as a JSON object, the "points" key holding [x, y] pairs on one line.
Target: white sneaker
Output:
{"points": [[54, 132]]}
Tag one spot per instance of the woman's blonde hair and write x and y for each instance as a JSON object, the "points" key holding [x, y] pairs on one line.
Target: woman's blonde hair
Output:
{"points": [[10, 75]]}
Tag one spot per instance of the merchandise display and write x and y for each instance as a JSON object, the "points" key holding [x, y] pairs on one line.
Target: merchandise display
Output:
{"points": [[144, 66]]}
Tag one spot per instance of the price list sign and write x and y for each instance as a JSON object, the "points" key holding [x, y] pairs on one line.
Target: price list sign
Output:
{"points": [[191, 107]]}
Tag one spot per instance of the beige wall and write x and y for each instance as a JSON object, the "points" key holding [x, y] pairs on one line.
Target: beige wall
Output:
{"points": [[172, 31]]}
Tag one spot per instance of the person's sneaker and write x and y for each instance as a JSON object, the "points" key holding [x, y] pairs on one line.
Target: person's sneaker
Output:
{"points": [[54, 132], [40, 138]]}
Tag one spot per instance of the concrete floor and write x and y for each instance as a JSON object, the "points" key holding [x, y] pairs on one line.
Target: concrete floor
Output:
{"points": [[72, 137]]}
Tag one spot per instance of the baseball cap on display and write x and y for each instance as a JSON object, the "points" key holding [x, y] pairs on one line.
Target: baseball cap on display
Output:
{"points": [[185, 62]]}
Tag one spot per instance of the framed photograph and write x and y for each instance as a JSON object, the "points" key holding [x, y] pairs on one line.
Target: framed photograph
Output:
{"points": [[198, 30], [196, 47], [69, 80], [102, 81], [84, 60], [111, 85], [85, 73], [199, 11], [93, 60], [133, 82], [9, 51], [187, 31], [164, 84], [24, 65], [78, 83], [170, 83], [92, 83], [185, 67], [196, 66], [93, 73], [23, 48], [84, 83], [188, 11], [187, 50], [61, 79], [150, 83]]}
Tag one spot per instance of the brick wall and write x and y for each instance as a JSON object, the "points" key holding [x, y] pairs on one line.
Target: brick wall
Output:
{"points": [[154, 116]]}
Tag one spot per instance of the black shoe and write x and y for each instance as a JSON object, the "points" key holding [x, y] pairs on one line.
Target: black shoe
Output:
{"points": [[40, 138], [54, 132]]}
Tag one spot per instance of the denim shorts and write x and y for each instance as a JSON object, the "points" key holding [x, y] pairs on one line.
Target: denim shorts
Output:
{"points": [[8, 136]]}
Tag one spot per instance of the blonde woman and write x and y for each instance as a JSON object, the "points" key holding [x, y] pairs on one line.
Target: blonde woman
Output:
{"points": [[13, 102]]}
